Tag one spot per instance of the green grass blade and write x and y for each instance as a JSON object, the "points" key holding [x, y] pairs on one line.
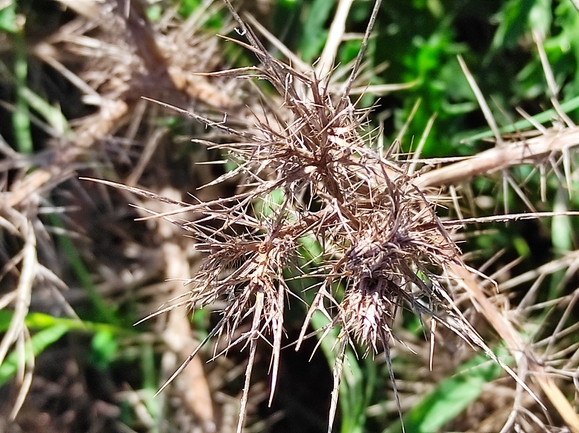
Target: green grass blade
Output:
{"points": [[40, 341], [151, 386], [314, 35], [50, 329], [21, 116], [522, 125], [41, 321], [450, 398], [52, 115], [104, 312], [8, 18]]}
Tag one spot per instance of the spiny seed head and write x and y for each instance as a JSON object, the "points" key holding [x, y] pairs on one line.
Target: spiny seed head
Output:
{"points": [[387, 244], [369, 308], [389, 262]]}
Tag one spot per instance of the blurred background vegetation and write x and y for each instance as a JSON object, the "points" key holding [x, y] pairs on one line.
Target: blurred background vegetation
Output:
{"points": [[77, 270]]}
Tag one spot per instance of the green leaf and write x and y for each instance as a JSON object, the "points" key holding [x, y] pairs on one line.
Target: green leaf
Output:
{"points": [[513, 18], [287, 3], [540, 16], [521, 246], [52, 115], [8, 18], [543, 117], [5, 318], [39, 342], [150, 382], [187, 7], [154, 13], [104, 312], [104, 346], [314, 36], [311, 250], [267, 206], [51, 329], [40, 321], [21, 116], [450, 398]]}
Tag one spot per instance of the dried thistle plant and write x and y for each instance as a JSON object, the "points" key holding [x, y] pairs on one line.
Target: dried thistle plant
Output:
{"points": [[384, 247]]}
